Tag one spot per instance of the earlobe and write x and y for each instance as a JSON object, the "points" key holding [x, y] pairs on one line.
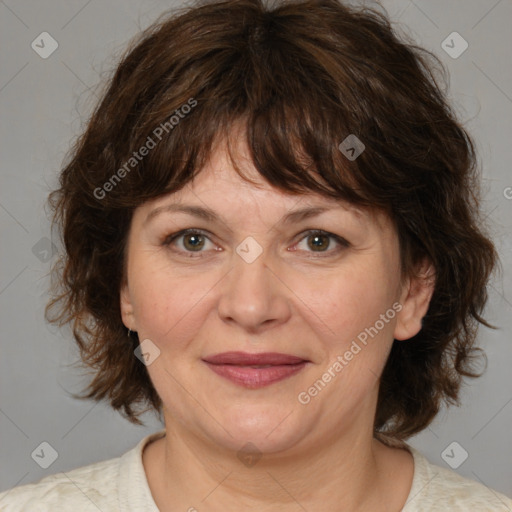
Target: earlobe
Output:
{"points": [[126, 307], [415, 301]]}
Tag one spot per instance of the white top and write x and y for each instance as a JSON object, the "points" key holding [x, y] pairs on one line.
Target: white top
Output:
{"points": [[120, 485]]}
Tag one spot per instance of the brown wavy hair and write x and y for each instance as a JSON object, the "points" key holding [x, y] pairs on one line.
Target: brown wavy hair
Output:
{"points": [[301, 76]]}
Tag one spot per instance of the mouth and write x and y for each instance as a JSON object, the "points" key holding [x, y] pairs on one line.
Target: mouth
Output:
{"points": [[255, 371]]}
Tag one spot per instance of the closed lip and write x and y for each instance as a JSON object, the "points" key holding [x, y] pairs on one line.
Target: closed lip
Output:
{"points": [[248, 359]]}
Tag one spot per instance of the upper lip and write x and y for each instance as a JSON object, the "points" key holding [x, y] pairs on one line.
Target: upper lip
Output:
{"points": [[245, 358]]}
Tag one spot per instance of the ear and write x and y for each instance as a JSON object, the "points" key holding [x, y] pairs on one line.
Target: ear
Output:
{"points": [[415, 299], [127, 313]]}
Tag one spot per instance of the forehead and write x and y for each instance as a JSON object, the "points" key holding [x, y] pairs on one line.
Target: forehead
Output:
{"points": [[229, 176], [229, 188], [218, 194]]}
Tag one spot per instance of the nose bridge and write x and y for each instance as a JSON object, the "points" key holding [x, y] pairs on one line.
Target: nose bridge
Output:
{"points": [[253, 295]]}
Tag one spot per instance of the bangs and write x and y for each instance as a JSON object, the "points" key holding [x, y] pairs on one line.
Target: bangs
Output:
{"points": [[287, 152]]}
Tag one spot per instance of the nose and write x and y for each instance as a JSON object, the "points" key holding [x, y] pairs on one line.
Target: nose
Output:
{"points": [[254, 295]]}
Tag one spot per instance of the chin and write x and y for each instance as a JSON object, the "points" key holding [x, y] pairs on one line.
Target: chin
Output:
{"points": [[269, 428]]}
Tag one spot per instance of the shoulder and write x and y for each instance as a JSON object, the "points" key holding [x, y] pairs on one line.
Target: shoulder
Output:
{"points": [[117, 484], [435, 488], [86, 488]]}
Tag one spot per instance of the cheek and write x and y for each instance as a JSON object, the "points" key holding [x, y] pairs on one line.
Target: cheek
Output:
{"points": [[343, 305], [169, 306]]}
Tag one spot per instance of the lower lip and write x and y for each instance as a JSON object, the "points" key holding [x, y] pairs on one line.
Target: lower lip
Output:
{"points": [[255, 378]]}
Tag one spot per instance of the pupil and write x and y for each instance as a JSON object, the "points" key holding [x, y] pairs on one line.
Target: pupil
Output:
{"points": [[316, 239], [197, 242]]}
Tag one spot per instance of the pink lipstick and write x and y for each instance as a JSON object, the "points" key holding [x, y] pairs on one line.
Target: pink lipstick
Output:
{"points": [[255, 371]]}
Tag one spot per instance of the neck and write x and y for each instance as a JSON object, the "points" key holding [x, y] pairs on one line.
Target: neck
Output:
{"points": [[347, 471]]}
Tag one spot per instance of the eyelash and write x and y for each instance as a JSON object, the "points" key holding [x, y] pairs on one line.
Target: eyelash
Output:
{"points": [[343, 244]]}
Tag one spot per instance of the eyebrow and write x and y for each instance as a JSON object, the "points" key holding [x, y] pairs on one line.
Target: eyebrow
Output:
{"points": [[209, 215]]}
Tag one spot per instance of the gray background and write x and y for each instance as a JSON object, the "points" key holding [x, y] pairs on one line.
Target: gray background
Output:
{"points": [[43, 104]]}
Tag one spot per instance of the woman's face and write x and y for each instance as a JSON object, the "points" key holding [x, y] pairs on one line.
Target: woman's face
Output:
{"points": [[251, 279]]}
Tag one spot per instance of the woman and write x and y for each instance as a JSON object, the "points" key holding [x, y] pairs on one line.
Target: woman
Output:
{"points": [[272, 240]]}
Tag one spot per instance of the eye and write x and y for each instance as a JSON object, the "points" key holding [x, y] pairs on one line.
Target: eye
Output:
{"points": [[194, 240], [321, 240]]}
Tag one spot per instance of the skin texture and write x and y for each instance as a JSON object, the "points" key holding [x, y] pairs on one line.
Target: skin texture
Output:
{"points": [[294, 298]]}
